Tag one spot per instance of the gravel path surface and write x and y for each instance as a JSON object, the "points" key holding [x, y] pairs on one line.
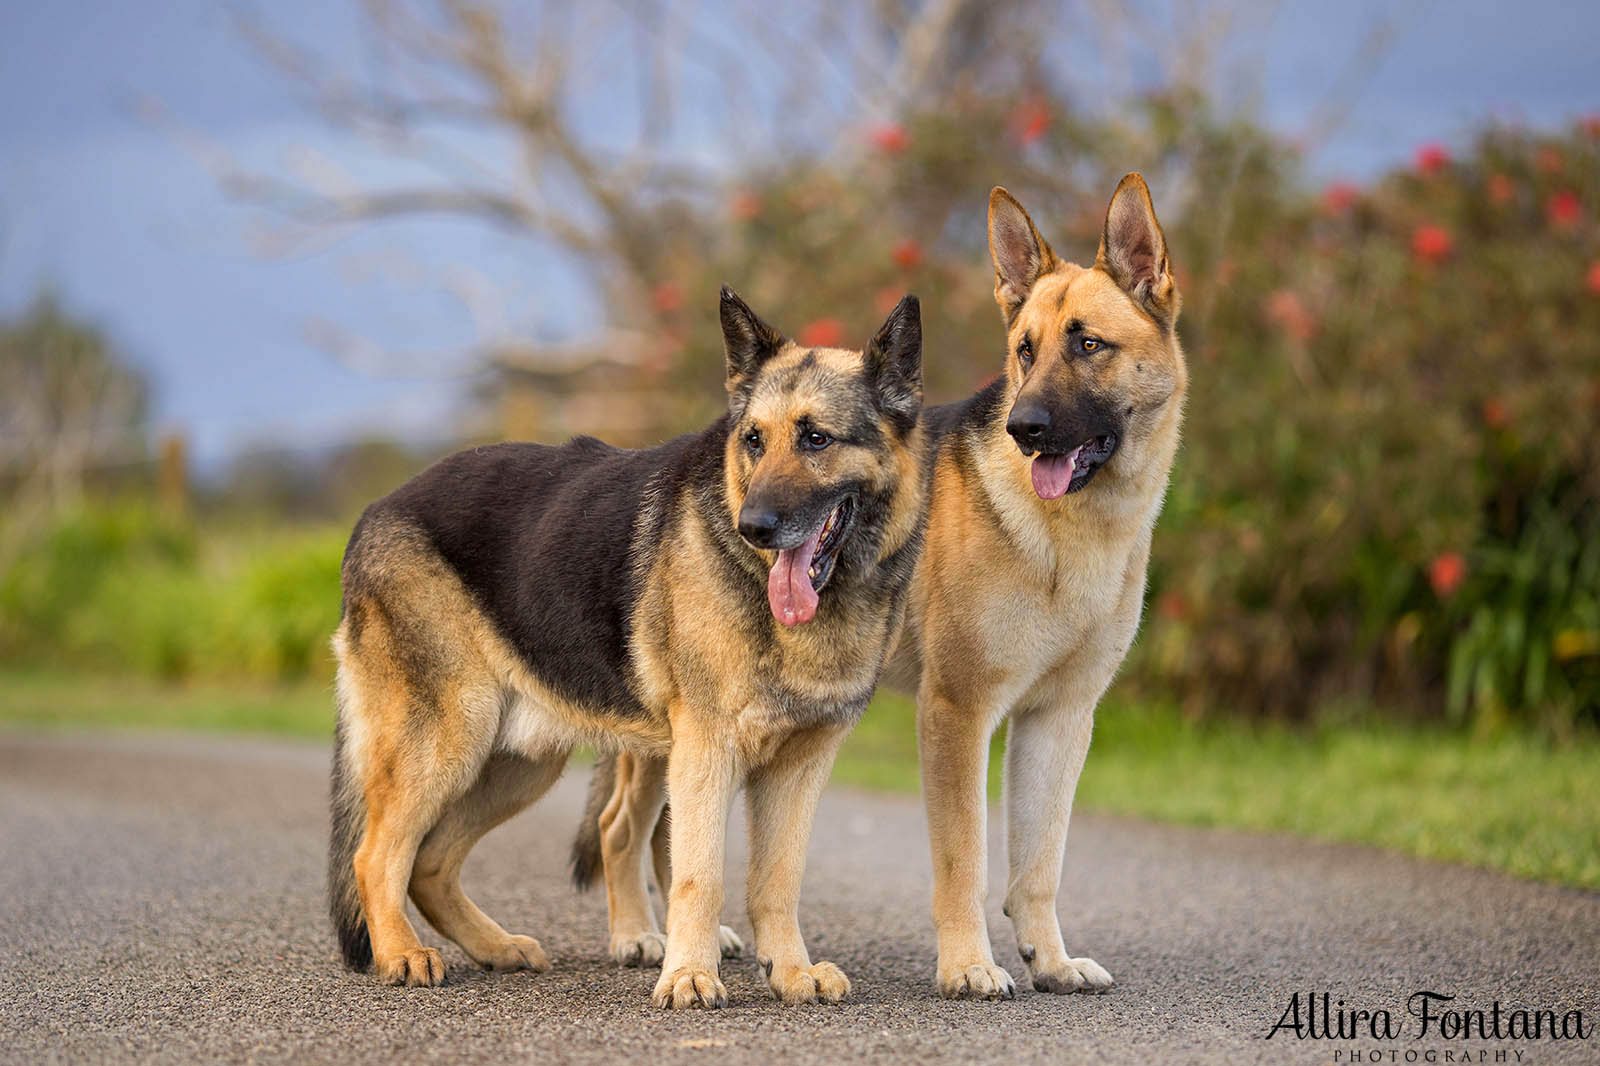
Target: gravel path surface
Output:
{"points": [[161, 901]]}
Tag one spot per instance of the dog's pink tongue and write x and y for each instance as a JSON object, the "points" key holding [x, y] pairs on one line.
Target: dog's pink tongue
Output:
{"points": [[1053, 473], [789, 591]]}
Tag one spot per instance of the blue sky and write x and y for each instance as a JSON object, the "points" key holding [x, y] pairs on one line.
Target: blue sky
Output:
{"points": [[109, 210]]}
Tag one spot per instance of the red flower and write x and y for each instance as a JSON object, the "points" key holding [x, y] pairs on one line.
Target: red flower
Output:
{"points": [[1501, 189], [1432, 158], [744, 206], [1432, 244], [667, 297], [1446, 573], [1593, 277], [1494, 413], [1172, 606], [1284, 310], [907, 254], [1550, 160], [1563, 209], [891, 139], [1339, 197], [1590, 125], [1030, 120], [822, 333]]}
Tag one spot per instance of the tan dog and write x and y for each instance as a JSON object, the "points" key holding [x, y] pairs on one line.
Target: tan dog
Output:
{"points": [[1046, 489], [719, 608]]}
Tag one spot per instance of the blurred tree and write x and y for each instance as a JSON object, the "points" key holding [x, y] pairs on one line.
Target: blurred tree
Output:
{"points": [[326, 483], [68, 402], [815, 157]]}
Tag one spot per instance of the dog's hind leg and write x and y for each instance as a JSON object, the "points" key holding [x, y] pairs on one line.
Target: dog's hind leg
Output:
{"points": [[414, 768], [783, 798], [629, 822], [661, 853], [506, 785], [1045, 751]]}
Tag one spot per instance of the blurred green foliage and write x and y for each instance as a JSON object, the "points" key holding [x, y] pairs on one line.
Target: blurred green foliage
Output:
{"points": [[1524, 634], [121, 588]]}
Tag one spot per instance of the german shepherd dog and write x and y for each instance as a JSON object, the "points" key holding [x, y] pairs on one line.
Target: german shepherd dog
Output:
{"points": [[1045, 489], [719, 607]]}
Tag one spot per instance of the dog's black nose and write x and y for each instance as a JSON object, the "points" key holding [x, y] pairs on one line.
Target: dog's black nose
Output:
{"points": [[1028, 424], [758, 525]]}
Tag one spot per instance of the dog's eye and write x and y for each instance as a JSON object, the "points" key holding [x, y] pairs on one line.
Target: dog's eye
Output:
{"points": [[817, 440], [1025, 353], [752, 440], [1090, 344]]}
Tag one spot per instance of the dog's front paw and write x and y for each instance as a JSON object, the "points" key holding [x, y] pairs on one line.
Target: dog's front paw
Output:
{"points": [[1066, 975], [822, 983], [732, 946], [979, 980], [690, 986], [638, 949], [418, 968], [516, 953]]}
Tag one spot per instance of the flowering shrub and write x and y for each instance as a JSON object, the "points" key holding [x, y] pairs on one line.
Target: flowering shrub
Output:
{"points": [[1395, 386], [1391, 486]]}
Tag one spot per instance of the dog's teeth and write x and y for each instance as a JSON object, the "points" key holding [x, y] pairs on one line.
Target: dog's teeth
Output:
{"points": [[812, 572]]}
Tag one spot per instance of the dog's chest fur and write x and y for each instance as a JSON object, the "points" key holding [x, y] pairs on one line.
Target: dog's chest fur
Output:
{"points": [[1081, 563], [702, 639], [1021, 601]]}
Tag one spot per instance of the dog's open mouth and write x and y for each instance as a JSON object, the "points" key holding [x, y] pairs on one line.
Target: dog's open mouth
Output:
{"points": [[800, 572], [1055, 475]]}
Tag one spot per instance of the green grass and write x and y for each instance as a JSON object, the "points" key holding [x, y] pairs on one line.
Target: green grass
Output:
{"points": [[53, 701], [1513, 803]]}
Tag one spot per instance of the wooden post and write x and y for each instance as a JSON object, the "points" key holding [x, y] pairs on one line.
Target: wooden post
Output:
{"points": [[172, 476]]}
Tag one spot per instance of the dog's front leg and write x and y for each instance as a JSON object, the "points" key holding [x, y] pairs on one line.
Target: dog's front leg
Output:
{"points": [[954, 745], [702, 775], [782, 798], [1045, 751]]}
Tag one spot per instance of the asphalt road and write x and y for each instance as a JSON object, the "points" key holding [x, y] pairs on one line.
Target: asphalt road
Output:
{"points": [[161, 901]]}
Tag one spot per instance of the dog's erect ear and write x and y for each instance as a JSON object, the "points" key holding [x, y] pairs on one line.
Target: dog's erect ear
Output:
{"points": [[894, 362], [1020, 255], [1133, 251], [748, 341]]}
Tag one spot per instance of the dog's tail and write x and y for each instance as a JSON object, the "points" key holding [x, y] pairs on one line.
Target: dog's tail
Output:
{"points": [[349, 823], [586, 858]]}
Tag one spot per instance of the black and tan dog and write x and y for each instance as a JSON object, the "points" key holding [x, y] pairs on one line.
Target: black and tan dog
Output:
{"points": [[719, 607], [1046, 486]]}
